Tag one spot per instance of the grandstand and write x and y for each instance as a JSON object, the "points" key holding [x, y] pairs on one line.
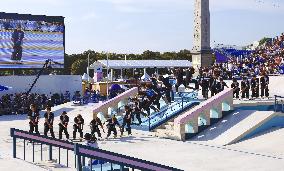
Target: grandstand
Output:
{"points": [[266, 57]]}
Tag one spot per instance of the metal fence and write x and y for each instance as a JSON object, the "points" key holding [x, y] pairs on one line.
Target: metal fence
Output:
{"points": [[97, 159], [279, 104]]}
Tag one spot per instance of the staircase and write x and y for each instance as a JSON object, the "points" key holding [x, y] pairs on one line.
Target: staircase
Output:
{"points": [[166, 131]]}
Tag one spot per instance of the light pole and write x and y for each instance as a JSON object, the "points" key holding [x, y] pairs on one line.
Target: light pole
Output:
{"points": [[88, 71], [107, 77]]}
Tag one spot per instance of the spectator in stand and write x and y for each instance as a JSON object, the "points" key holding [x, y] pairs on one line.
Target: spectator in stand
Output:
{"points": [[19, 103]]}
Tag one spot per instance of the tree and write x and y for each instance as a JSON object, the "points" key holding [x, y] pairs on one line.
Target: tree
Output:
{"points": [[184, 55], [79, 67], [169, 56], [264, 40], [147, 55]]}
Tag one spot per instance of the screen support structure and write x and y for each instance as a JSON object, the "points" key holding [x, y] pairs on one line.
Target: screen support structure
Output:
{"points": [[46, 65]]}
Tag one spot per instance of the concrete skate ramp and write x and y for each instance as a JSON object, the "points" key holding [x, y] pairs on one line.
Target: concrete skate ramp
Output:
{"points": [[244, 127]]}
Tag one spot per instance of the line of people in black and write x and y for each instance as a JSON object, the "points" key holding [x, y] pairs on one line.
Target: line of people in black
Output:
{"points": [[96, 124], [252, 85], [211, 83]]}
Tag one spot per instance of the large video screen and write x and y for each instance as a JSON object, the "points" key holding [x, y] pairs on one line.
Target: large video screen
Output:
{"points": [[27, 41]]}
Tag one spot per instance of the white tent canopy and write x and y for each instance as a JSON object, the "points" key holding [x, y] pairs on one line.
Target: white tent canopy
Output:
{"points": [[86, 77], [129, 64], [145, 77]]}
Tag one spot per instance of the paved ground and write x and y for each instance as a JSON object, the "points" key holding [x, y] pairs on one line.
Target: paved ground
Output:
{"points": [[264, 152]]}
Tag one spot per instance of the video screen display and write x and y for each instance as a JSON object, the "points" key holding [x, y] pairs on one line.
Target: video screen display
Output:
{"points": [[27, 41]]}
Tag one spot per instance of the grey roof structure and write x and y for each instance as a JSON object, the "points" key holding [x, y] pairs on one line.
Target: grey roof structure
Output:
{"points": [[129, 64]]}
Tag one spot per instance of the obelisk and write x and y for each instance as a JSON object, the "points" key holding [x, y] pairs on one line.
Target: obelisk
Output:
{"points": [[201, 52]]}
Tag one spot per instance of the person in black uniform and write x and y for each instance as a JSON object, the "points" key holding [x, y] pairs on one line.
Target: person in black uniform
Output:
{"points": [[33, 115], [196, 83], [205, 87], [236, 88], [64, 119], [145, 106], [221, 85], [254, 87], [264, 82], [158, 92], [245, 86], [213, 85], [95, 123], [111, 123], [126, 120], [257, 87], [48, 124], [78, 126], [137, 112], [188, 75], [152, 97], [180, 80], [167, 87], [17, 38]]}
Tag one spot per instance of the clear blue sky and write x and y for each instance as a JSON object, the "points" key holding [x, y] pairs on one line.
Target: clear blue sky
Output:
{"points": [[132, 26]]}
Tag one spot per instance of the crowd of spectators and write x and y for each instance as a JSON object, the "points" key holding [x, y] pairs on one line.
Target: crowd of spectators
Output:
{"points": [[267, 58], [27, 25], [19, 103]]}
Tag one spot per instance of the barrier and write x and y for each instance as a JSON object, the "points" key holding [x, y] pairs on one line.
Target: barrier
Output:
{"points": [[113, 103], [183, 105], [33, 138], [278, 102], [81, 152], [200, 116], [122, 160]]}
